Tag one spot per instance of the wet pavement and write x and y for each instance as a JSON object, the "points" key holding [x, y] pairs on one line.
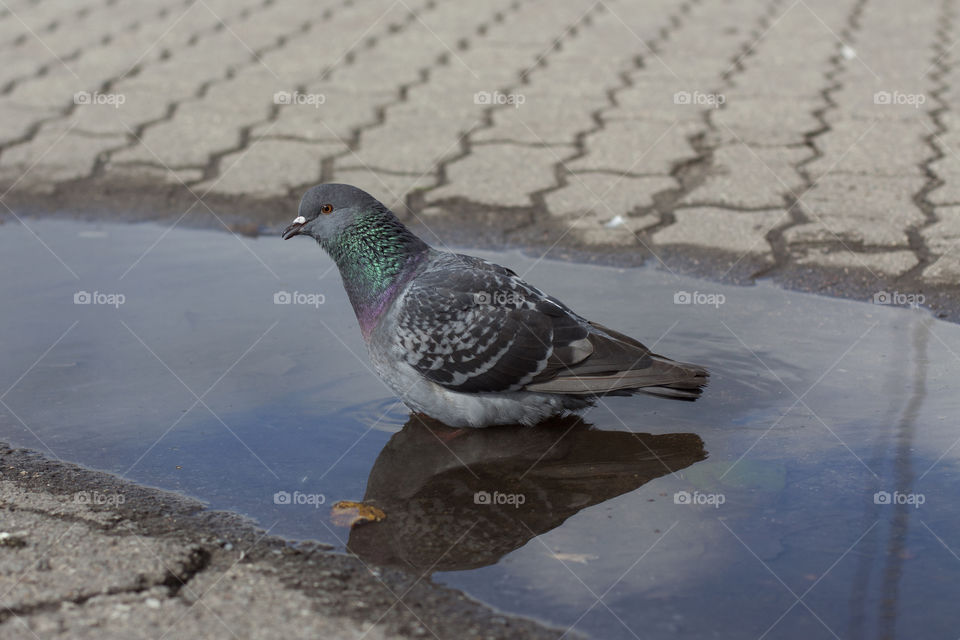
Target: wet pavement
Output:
{"points": [[808, 494]]}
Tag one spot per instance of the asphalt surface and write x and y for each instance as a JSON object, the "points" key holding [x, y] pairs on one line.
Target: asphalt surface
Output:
{"points": [[84, 554]]}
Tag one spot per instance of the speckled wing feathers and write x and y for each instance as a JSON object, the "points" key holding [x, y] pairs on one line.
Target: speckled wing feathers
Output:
{"points": [[473, 326]]}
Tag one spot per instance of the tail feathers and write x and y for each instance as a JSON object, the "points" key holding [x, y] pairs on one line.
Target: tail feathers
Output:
{"points": [[688, 376], [661, 376], [687, 395], [693, 379], [609, 362]]}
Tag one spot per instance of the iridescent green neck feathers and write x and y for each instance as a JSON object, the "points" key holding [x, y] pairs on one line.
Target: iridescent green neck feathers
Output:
{"points": [[375, 254]]}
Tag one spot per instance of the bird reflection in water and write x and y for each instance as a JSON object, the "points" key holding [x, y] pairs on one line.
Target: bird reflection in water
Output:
{"points": [[460, 499]]}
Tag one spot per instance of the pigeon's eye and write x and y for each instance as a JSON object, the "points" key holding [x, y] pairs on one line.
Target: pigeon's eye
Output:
{"points": [[326, 208]]}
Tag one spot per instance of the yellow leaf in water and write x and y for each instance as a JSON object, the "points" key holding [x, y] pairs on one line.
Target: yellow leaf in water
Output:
{"points": [[349, 514]]}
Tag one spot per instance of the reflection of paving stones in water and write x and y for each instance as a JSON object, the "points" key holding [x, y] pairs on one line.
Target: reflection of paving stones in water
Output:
{"points": [[815, 405]]}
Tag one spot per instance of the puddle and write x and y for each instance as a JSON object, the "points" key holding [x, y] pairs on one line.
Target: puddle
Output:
{"points": [[811, 493]]}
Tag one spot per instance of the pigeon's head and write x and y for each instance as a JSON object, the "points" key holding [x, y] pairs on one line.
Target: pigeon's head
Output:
{"points": [[327, 209]]}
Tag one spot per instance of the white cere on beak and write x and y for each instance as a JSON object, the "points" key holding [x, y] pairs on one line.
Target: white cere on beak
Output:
{"points": [[299, 220]]}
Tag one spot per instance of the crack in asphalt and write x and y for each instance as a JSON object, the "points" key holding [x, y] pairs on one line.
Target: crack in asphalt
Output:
{"points": [[174, 580]]}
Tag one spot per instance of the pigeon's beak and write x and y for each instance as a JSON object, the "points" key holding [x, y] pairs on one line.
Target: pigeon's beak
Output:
{"points": [[294, 228]]}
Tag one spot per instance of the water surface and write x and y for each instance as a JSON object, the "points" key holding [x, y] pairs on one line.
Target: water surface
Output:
{"points": [[769, 508]]}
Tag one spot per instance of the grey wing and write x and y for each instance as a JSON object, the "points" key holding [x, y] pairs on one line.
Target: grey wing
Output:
{"points": [[473, 326], [476, 327]]}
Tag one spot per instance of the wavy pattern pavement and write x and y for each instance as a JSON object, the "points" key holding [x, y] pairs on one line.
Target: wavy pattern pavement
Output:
{"points": [[777, 135]]}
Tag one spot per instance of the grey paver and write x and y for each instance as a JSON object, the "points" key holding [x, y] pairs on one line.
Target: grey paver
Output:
{"points": [[740, 232], [603, 208], [508, 175], [61, 153], [890, 263], [640, 147], [742, 176], [859, 210], [270, 167], [943, 240], [858, 146]]}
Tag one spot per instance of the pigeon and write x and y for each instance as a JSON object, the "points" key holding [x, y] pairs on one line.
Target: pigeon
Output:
{"points": [[466, 341]]}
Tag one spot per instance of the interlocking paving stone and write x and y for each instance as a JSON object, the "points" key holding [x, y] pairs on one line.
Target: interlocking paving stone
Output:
{"points": [[638, 147], [742, 176], [329, 117], [889, 263], [766, 122], [270, 167], [64, 155], [859, 210], [739, 232], [857, 146], [501, 174], [608, 194], [943, 240]]}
